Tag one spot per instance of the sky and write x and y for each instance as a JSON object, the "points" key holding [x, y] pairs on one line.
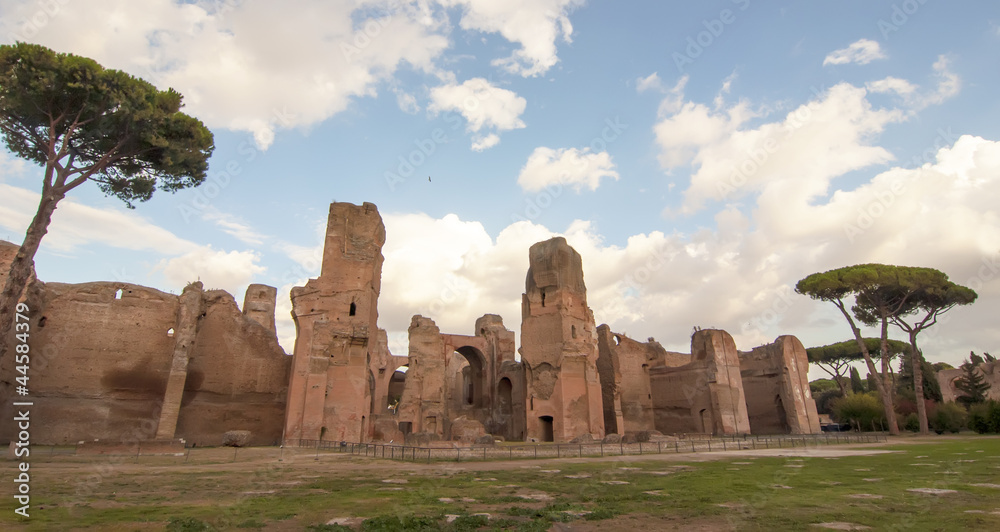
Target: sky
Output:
{"points": [[701, 157]]}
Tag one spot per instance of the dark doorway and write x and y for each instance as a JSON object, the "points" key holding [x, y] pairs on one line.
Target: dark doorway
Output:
{"points": [[473, 377], [779, 408], [547, 434]]}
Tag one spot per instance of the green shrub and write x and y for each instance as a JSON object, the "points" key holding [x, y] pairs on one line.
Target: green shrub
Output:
{"points": [[911, 422], [862, 410], [948, 417], [984, 418]]}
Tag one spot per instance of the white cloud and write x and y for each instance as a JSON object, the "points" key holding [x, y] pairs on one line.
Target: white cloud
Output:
{"points": [[486, 108], [75, 225], [311, 65], [10, 166], [651, 82], [407, 102], [948, 86], [892, 85], [230, 271], [535, 24], [578, 168], [233, 226], [738, 276], [801, 153], [309, 68], [481, 143], [862, 52]]}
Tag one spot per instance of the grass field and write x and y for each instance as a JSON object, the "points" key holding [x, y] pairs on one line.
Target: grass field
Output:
{"points": [[787, 489]]}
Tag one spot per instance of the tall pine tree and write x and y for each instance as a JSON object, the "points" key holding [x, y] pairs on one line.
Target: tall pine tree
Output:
{"points": [[972, 384]]}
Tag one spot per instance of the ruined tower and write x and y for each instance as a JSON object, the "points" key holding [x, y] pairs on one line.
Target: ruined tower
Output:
{"points": [[559, 347], [331, 387], [776, 384]]}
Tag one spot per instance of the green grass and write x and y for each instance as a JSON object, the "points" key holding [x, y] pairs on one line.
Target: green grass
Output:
{"points": [[747, 493]]}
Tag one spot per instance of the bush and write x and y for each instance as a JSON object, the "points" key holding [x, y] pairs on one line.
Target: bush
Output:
{"points": [[911, 422], [948, 417], [984, 418], [862, 410]]}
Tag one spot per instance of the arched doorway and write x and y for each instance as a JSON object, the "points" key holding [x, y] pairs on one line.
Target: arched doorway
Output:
{"points": [[779, 408], [473, 377], [396, 384]]}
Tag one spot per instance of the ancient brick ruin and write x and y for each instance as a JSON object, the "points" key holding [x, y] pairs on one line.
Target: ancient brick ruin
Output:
{"points": [[332, 388], [990, 370], [121, 362]]}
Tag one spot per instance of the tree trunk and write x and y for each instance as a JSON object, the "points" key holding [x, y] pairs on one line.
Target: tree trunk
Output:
{"points": [[888, 400], [890, 414], [23, 264], [917, 364]]}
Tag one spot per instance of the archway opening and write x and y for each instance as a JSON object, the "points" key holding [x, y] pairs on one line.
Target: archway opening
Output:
{"points": [[473, 377], [547, 432], [396, 384]]}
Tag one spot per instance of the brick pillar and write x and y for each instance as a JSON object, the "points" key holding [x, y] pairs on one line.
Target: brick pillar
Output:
{"points": [[188, 316]]}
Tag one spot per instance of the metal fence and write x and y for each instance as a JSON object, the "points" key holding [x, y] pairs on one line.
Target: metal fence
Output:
{"points": [[579, 450]]}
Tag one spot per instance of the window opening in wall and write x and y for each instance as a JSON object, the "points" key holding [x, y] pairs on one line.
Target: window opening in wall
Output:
{"points": [[354, 308], [543, 298], [118, 293], [170, 332], [572, 330], [618, 340], [41, 322]]}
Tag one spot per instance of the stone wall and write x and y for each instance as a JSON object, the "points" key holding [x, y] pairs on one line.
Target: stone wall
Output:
{"points": [[623, 365], [103, 354], [422, 408], [705, 395], [991, 370], [776, 386], [332, 386], [559, 347], [473, 380]]}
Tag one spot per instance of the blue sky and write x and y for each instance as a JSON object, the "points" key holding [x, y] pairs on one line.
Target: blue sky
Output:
{"points": [[702, 157]]}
